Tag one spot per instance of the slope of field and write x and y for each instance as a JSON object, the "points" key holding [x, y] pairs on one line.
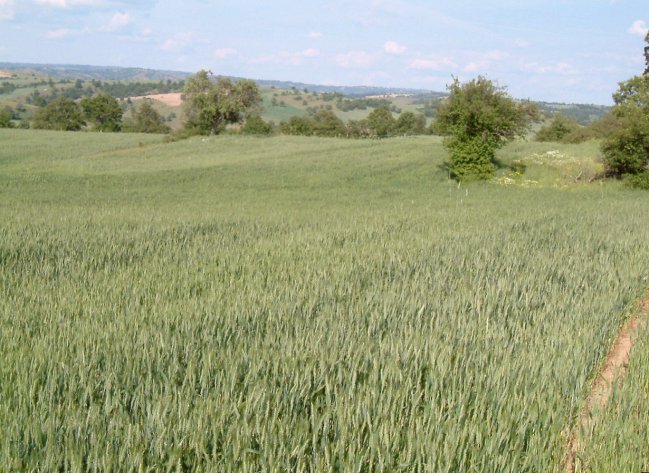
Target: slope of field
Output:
{"points": [[295, 304]]}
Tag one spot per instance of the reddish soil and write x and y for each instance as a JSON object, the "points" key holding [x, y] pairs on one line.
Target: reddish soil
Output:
{"points": [[611, 374]]}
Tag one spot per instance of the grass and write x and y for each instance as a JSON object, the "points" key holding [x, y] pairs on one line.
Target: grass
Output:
{"points": [[297, 304]]}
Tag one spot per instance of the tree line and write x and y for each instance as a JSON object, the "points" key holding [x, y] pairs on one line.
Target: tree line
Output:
{"points": [[477, 118]]}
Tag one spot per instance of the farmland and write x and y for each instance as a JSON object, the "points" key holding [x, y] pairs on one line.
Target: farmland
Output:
{"points": [[307, 304]]}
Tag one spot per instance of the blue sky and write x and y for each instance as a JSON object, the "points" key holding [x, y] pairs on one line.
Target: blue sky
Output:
{"points": [[554, 50]]}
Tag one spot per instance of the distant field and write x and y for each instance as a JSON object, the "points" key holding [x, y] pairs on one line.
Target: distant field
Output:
{"points": [[304, 304]]}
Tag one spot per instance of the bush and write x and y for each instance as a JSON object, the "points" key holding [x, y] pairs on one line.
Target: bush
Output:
{"points": [[638, 181], [479, 118], [5, 119], [255, 125], [471, 159], [558, 129], [297, 126], [326, 123]]}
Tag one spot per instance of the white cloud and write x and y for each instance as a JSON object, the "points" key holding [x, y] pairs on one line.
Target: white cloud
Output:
{"points": [[6, 9], [224, 53], [310, 52], [178, 41], [485, 60], [638, 27], [66, 32], [118, 21], [355, 59], [314, 35], [434, 64], [392, 47], [67, 3]]}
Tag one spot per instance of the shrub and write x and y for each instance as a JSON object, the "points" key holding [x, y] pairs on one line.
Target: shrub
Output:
{"points": [[255, 125], [479, 118], [558, 129]]}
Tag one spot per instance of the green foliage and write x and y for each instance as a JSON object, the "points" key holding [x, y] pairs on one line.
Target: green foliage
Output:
{"points": [[255, 125], [297, 126], [626, 151], [381, 121], [638, 181], [410, 123], [146, 119], [558, 129], [480, 118], [212, 104], [359, 129], [5, 118], [326, 123], [472, 159], [103, 112], [290, 304], [61, 114]]}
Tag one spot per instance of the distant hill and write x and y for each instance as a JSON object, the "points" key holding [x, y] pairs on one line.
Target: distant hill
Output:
{"points": [[583, 113], [69, 71]]}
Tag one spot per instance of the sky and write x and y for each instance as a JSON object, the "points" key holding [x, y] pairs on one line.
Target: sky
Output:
{"points": [[553, 50]]}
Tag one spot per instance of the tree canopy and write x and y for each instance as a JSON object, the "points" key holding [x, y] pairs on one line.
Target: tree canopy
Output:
{"points": [[60, 114], [211, 103], [626, 151], [146, 119], [479, 117], [103, 111]]}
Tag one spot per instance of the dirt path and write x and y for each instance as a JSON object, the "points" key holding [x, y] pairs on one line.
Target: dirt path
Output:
{"points": [[612, 372]]}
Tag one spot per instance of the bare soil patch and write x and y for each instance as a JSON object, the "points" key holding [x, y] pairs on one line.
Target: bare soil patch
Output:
{"points": [[612, 373], [173, 100], [5, 74]]}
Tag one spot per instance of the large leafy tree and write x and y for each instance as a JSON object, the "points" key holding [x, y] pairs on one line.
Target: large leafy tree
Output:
{"points": [[60, 114], [382, 122], [211, 103], [478, 118], [103, 111], [626, 151]]}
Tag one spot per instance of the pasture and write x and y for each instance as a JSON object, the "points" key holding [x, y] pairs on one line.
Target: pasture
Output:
{"points": [[305, 304]]}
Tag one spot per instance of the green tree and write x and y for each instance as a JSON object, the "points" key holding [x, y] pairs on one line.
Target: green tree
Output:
{"points": [[103, 111], [5, 118], [326, 123], [60, 114], [558, 129], [479, 117], [381, 121], [146, 119], [210, 103], [626, 151], [410, 123]]}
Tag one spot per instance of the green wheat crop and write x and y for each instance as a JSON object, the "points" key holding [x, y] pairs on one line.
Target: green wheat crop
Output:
{"points": [[294, 304]]}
